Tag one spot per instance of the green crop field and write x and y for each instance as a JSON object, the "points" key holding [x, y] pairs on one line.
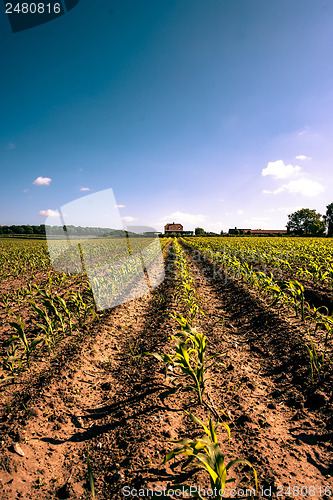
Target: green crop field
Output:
{"points": [[220, 375]]}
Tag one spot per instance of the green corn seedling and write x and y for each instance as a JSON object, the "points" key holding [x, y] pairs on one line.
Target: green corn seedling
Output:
{"points": [[189, 359], [28, 347], [90, 477], [205, 452]]}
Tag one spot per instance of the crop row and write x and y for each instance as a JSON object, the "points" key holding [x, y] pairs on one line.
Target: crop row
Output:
{"points": [[309, 258], [21, 257], [52, 317], [280, 294], [187, 363]]}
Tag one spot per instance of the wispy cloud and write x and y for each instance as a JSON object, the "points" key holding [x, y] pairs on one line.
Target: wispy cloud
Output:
{"points": [[256, 221], [303, 157], [49, 213], [119, 206], [129, 219], [11, 146], [279, 170], [299, 183], [185, 218], [303, 186], [42, 181], [84, 189], [238, 212], [25, 190], [286, 210]]}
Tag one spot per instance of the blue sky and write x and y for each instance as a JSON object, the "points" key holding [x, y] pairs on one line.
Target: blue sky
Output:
{"points": [[214, 114]]}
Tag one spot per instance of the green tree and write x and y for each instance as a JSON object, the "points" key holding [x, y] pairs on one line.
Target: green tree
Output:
{"points": [[306, 222], [328, 218], [199, 231]]}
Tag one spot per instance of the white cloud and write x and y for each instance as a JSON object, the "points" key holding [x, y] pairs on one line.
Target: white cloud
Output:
{"points": [[279, 170], [49, 213], [238, 212], [129, 219], [25, 190], [304, 187], [276, 191], [11, 146], [84, 189], [303, 157], [42, 181], [308, 133], [185, 218], [119, 206], [286, 210], [256, 221]]}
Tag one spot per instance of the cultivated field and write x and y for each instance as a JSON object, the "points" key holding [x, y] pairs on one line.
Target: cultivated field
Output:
{"points": [[230, 356]]}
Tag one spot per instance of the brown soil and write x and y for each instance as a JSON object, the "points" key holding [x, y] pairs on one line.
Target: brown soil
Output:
{"points": [[95, 398]]}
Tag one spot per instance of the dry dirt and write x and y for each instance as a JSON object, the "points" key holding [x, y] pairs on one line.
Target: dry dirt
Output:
{"points": [[96, 399]]}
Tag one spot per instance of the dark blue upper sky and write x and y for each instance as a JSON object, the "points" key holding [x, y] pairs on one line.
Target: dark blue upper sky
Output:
{"points": [[192, 111]]}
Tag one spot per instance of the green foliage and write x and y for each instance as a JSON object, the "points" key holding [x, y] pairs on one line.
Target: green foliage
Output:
{"points": [[206, 453], [188, 360], [306, 222], [328, 218], [199, 231], [90, 477]]}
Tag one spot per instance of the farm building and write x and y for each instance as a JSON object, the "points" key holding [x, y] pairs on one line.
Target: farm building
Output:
{"points": [[237, 231], [176, 228], [268, 232], [258, 232]]}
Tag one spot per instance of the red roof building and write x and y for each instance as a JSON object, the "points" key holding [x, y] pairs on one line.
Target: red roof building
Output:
{"points": [[267, 232], [173, 228]]}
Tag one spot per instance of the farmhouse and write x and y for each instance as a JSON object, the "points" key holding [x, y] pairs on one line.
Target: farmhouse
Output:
{"points": [[176, 228]]}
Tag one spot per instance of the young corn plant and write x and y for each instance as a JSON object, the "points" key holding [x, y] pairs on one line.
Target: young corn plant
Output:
{"points": [[82, 309], [317, 360], [90, 477], [49, 326], [13, 362], [296, 293], [5, 301], [206, 453], [320, 363], [28, 347], [188, 360]]}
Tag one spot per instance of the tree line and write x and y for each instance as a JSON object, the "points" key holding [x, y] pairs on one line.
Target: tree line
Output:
{"points": [[307, 222], [303, 222], [57, 230]]}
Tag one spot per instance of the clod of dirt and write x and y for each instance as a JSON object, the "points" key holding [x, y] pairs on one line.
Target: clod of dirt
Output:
{"points": [[18, 449], [35, 412]]}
